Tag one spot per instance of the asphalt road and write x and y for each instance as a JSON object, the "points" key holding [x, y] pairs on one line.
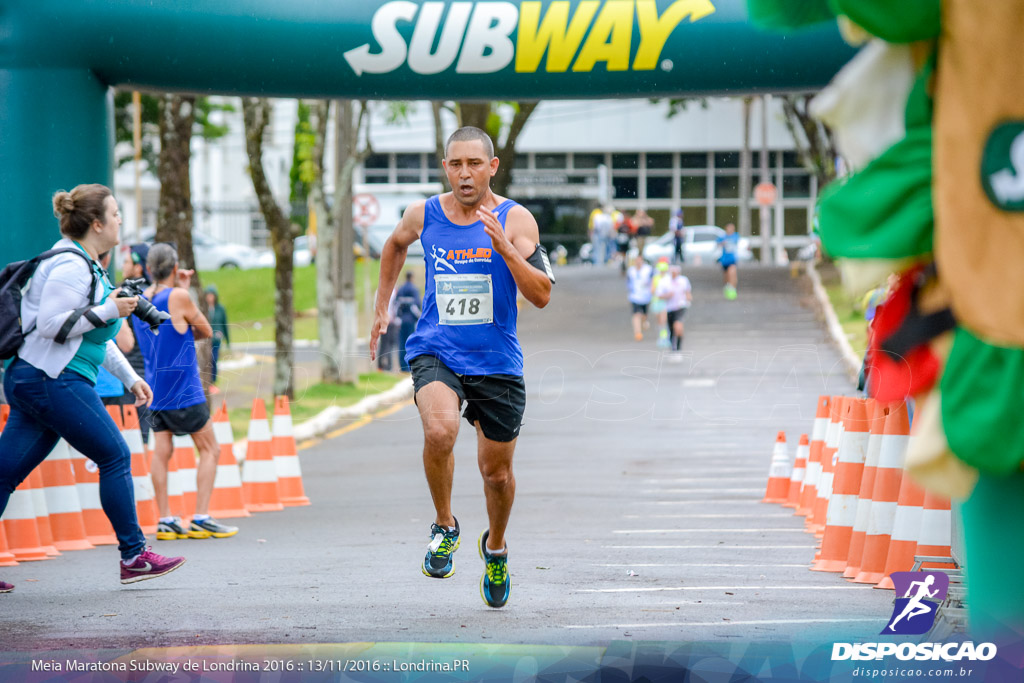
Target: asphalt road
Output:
{"points": [[637, 512]]}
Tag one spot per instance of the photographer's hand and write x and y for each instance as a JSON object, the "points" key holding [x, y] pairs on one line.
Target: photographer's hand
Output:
{"points": [[143, 394], [126, 305]]}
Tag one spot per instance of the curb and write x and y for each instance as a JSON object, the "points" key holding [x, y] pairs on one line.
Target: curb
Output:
{"points": [[325, 422], [835, 330]]}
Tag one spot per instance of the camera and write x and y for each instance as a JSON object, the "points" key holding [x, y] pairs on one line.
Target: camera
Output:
{"points": [[145, 311]]}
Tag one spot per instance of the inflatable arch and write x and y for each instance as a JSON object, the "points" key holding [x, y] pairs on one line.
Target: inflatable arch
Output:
{"points": [[59, 59]]}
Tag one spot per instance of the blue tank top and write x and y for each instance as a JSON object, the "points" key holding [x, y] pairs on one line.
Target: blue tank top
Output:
{"points": [[469, 303], [171, 367]]}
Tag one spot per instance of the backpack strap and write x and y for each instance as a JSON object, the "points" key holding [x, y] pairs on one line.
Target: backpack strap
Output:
{"points": [[65, 329]]}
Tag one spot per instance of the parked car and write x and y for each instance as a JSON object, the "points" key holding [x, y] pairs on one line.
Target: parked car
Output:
{"points": [[701, 246], [212, 253], [302, 256]]}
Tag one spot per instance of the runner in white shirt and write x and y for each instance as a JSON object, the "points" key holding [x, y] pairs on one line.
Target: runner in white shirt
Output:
{"points": [[638, 279], [675, 290]]}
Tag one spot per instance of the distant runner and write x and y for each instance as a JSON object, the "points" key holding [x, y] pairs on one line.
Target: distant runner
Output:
{"points": [[481, 250], [729, 243]]}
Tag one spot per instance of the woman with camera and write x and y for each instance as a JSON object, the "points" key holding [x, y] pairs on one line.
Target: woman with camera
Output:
{"points": [[70, 315]]}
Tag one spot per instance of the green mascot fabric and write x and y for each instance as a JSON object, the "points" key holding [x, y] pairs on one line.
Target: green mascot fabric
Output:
{"points": [[981, 406], [781, 15], [902, 21]]}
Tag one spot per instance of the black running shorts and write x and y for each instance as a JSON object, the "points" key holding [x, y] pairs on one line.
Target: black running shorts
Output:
{"points": [[497, 402], [181, 421]]}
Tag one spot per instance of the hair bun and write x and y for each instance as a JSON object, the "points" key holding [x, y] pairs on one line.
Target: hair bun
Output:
{"points": [[63, 203]]}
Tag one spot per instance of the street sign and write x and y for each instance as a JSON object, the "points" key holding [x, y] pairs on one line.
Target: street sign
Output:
{"points": [[765, 194], [365, 210]]}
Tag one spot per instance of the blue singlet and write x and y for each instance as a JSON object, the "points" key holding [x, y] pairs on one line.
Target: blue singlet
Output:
{"points": [[469, 306]]}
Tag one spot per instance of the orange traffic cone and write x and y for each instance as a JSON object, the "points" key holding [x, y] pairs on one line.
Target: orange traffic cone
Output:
{"points": [[876, 411], [842, 505], [20, 524], [145, 495], [286, 456], [778, 473], [227, 500], [42, 512], [815, 522], [905, 529], [935, 537], [885, 494], [809, 489], [65, 509], [6, 556], [184, 457], [87, 481], [796, 480], [259, 477]]}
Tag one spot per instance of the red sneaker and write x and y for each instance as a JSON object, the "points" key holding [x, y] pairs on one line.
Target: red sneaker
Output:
{"points": [[149, 565], [6, 587]]}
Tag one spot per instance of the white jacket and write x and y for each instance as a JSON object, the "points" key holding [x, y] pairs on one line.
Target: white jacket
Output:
{"points": [[59, 286]]}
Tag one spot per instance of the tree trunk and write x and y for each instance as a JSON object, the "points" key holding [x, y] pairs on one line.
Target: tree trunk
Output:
{"points": [[326, 249], [174, 214], [435, 107], [814, 141], [256, 116], [346, 159]]}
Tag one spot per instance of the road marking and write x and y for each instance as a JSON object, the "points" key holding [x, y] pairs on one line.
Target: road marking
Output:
{"points": [[664, 589], [701, 501], [702, 564], [712, 490], [759, 622], [698, 383], [706, 531], [683, 515], [686, 480], [704, 547], [361, 422]]}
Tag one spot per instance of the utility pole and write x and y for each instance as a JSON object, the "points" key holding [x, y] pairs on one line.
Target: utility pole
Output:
{"points": [[137, 141], [766, 211], [745, 172]]}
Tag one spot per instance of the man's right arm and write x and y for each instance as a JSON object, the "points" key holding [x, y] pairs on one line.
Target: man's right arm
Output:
{"points": [[392, 258]]}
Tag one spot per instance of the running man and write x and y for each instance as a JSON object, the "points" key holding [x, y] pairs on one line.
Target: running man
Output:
{"points": [[914, 606], [729, 244], [639, 278], [481, 249], [677, 293]]}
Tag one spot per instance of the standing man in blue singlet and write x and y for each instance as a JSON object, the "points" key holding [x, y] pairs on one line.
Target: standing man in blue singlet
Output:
{"points": [[480, 249], [179, 404]]}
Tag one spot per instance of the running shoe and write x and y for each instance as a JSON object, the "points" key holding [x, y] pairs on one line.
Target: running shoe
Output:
{"points": [[149, 565], [171, 531], [210, 527], [438, 562], [6, 587], [495, 584], [730, 292]]}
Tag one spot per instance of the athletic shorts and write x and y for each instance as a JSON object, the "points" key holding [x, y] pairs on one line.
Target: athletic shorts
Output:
{"points": [[639, 308], [181, 421], [676, 316], [727, 264], [497, 402]]}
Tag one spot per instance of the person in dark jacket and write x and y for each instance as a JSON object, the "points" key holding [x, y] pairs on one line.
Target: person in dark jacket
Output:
{"points": [[134, 268], [219, 322], [407, 305]]}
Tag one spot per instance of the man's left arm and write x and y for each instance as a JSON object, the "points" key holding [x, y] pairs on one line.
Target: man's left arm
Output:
{"points": [[516, 244]]}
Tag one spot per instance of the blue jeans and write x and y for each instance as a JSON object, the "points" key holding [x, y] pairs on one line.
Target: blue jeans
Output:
{"points": [[213, 361], [44, 410]]}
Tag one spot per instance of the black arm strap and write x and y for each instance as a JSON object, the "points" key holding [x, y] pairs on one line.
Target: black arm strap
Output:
{"points": [[917, 328], [539, 260]]}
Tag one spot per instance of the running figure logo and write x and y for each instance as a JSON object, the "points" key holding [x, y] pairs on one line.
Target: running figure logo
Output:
{"points": [[914, 613], [439, 254]]}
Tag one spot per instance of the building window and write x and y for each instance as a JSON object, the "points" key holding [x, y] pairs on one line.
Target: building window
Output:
{"points": [[625, 162], [794, 221], [693, 160], [796, 186], [791, 160], [550, 161], [522, 161], [408, 166], [659, 187], [693, 187], [659, 161], [625, 187], [376, 162], [695, 215], [727, 187], [587, 161], [727, 159]]}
